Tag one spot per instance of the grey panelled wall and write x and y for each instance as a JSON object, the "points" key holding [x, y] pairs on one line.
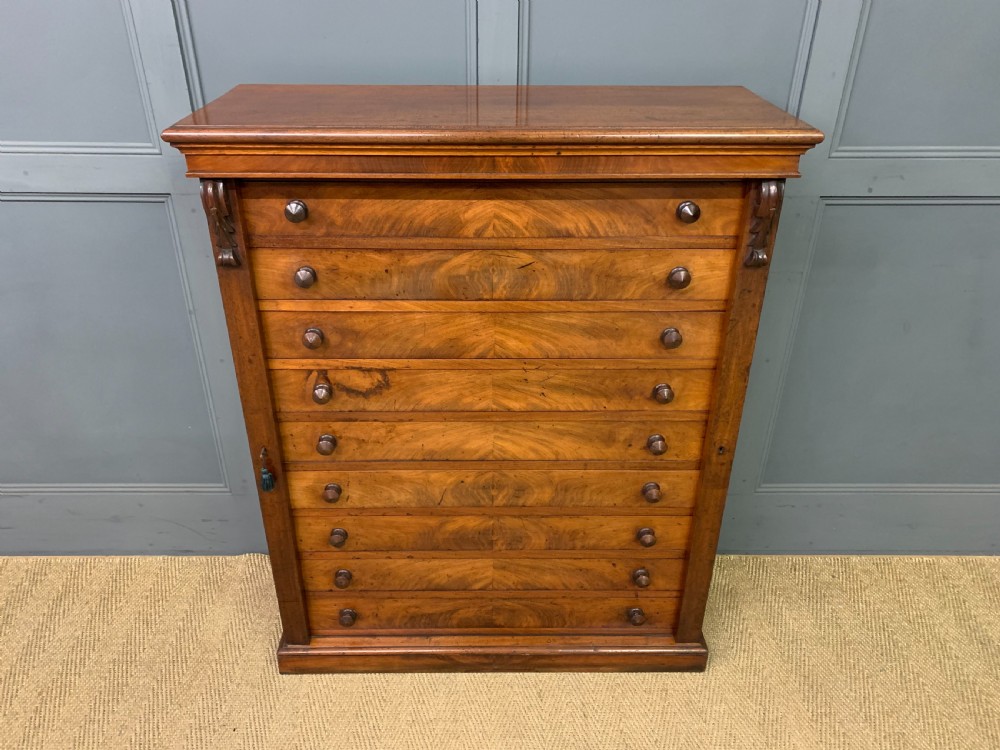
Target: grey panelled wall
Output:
{"points": [[939, 100], [111, 355], [120, 431], [896, 332], [870, 423], [46, 107], [651, 42], [341, 41]]}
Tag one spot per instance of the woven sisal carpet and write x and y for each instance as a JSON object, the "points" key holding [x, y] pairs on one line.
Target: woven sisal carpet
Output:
{"points": [[808, 652]]}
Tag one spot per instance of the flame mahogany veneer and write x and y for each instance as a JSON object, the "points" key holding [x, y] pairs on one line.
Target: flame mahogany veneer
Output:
{"points": [[492, 345]]}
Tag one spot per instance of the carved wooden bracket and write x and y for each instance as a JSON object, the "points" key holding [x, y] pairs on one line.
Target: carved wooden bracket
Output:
{"points": [[220, 222], [763, 222]]}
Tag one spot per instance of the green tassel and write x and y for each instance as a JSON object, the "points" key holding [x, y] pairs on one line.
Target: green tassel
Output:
{"points": [[267, 480]]}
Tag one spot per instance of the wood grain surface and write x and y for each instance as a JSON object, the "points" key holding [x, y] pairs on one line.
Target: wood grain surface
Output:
{"points": [[724, 424], [490, 209], [491, 288], [492, 133], [246, 339], [401, 573], [427, 116], [498, 611], [568, 335], [567, 650], [455, 488], [485, 533], [490, 306], [359, 389], [506, 363], [529, 164], [548, 439], [506, 274]]}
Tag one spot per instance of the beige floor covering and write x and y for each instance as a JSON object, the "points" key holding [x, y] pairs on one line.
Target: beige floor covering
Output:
{"points": [[808, 652]]}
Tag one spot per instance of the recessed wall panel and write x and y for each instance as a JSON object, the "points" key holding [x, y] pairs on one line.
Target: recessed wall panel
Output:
{"points": [[68, 76], [329, 41], [926, 76], [650, 42], [98, 368], [892, 377]]}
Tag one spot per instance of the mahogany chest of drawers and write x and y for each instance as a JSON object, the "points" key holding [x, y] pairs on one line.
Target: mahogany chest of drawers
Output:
{"points": [[492, 346]]}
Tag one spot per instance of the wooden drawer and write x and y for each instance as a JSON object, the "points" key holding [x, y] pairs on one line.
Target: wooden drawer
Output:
{"points": [[398, 573], [488, 210], [548, 439], [507, 274], [461, 335], [481, 532], [491, 487], [472, 612], [365, 389]]}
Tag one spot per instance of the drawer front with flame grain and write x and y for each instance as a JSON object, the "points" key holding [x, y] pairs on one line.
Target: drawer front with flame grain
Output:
{"points": [[405, 572], [332, 211], [337, 613], [548, 439], [678, 275], [369, 389], [634, 490], [332, 531], [392, 334]]}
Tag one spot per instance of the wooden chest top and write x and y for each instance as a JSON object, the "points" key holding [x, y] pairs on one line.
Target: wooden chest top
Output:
{"points": [[535, 124]]}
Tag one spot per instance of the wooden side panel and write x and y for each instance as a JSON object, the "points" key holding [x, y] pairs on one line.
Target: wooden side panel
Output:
{"points": [[401, 533], [543, 440], [570, 335], [245, 335], [484, 209], [362, 389], [456, 612], [557, 488], [507, 274], [762, 210]]}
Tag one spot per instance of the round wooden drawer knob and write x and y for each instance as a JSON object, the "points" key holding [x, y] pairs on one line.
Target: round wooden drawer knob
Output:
{"points": [[678, 278], [651, 491], [671, 338], [688, 212], [326, 445], [635, 616], [338, 537], [663, 393], [342, 579], [645, 536], [655, 444], [313, 338], [305, 277], [640, 577], [332, 492], [347, 617], [322, 391], [296, 211]]}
